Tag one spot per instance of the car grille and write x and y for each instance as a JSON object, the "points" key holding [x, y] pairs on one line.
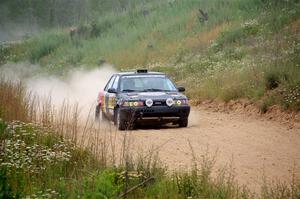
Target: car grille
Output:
{"points": [[148, 111], [159, 103]]}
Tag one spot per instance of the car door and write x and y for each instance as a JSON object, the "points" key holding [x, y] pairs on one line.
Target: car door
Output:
{"points": [[105, 98], [112, 98]]}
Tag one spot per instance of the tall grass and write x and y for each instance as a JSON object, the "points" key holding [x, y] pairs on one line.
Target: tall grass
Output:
{"points": [[250, 59], [53, 154], [14, 104], [146, 32], [244, 50], [48, 151]]}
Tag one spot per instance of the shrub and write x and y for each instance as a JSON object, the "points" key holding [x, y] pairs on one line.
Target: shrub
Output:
{"points": [[36, 162], [237, 34], [291, 97], [102, 184], [266, 103], [5, 188], [272, 80], [45, 45], [231, 93], [231, 36], [251, 27]]}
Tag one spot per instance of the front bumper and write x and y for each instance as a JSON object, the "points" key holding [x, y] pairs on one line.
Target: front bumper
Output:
{"points": [[162, 114]]}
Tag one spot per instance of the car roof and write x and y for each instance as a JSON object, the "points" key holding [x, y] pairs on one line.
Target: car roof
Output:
{"points": [[139, 73]]}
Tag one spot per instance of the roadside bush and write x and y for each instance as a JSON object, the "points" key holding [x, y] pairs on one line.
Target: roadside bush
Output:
{"points": [[280, 190], [272, 80], [230, 36], [251, 27], [103, 184], [232, 92], [38, 163], [5, 188], [266, 103], [238, 33], [291, 97], [4, 54], [45, 45]]}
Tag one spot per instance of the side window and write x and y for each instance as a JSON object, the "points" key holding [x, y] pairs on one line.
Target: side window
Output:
{"points": [[109, 84], [115, 85]]}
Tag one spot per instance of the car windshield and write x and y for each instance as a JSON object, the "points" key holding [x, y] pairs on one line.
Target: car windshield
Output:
{"points": [[145, 83]]}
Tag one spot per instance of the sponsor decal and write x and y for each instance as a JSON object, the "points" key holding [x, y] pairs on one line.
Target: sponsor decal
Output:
{"points": [[152, 94], [143, 76]]}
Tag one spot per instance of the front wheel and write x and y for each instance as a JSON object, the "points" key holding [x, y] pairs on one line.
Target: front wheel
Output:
{"points": [[119, 121], [183, 122]]}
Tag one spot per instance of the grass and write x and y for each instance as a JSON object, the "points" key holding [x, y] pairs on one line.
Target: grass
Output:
{"points": [[44, 156], [245, 49], [13, 102], [163, 30], [250, 60]]}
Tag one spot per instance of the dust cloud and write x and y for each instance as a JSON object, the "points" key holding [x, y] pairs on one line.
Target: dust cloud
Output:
{"points": [[77, 87]]}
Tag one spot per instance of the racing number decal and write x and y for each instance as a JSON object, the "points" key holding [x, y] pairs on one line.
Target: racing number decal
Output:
{"points": [[109, 101], [106, 102]]}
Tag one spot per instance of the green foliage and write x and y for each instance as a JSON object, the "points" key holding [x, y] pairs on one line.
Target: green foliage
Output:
{"points": [[272, 80], [246, 49], [291, 97], [266, 103], [5, 188], [139, 33], [281, 190], [102, 185], [45, 45], [237, 34], [36, 161], [4, 53]]}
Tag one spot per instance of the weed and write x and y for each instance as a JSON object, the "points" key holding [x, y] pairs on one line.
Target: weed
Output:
{"points": [[272, 80], [45, 45], [291, 97], [38, 163], [102, 185], [266, 103], [14, 102]]}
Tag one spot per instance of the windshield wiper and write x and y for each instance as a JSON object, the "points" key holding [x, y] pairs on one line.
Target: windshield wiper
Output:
{"points": [[128, 90], [153, 89]]}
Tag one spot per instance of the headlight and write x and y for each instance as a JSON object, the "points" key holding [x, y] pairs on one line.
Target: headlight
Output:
{"points": [[132, 103], [149, 102], [169, 101]]}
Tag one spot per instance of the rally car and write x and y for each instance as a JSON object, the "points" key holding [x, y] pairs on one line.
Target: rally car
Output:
{"points": [[131, 98]]}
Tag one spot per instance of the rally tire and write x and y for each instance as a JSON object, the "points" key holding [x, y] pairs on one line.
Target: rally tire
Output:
{"points": [[183, 122], [119, 122]]}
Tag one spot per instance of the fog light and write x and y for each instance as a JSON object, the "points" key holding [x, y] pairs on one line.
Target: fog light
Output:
{"points": [[149, 102], [170, 101], [178, 102]]}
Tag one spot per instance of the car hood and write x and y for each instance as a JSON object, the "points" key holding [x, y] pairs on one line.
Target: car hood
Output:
{"points": [[152, 95]]}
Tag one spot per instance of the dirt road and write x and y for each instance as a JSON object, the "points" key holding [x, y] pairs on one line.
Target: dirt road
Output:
{"points": [[256, 147]]}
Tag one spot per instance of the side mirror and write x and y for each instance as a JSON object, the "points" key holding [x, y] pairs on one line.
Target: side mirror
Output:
{"points": [[112, 90], [180, 89]]}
